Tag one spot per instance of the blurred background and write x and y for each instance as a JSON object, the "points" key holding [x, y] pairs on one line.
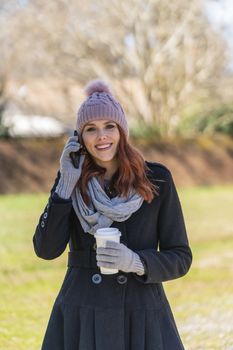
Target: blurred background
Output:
{"points": [[170, 64]]}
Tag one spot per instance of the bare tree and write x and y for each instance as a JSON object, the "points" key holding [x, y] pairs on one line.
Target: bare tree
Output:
{"points": [[160, 55]]}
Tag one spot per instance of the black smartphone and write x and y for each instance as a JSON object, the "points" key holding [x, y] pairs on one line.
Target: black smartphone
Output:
{"points": [[75, 156]]}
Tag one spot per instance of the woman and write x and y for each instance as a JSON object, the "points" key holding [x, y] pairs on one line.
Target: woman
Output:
{"points": [[112, 186]]}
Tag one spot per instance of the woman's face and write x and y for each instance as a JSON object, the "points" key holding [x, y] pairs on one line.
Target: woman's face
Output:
{"points": [[101, 139]]}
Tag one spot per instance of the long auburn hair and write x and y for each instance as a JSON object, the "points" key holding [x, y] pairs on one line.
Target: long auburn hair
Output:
{"points": [[131, 172]]}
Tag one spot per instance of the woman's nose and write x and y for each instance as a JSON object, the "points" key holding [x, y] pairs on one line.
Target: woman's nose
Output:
{"points": [[101, 133]]}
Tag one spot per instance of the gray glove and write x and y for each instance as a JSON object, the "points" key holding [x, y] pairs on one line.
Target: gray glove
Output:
{"points": [[117, 256], [69, 174]]}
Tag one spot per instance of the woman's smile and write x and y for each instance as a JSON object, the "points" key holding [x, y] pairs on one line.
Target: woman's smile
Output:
{"points": [[104, 147]]}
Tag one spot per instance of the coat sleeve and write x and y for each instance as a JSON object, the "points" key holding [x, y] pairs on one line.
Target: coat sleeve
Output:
{"points": [[52, 232], [174, 257]]}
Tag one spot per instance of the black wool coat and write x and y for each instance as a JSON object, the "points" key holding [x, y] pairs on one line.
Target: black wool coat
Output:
{"points": [[122, 311]]}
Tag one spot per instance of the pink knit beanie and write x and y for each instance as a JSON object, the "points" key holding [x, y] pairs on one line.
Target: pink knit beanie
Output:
{"points": [[100, 104]]}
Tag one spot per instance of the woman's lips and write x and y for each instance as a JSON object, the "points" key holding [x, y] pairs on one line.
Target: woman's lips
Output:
{"points": [[103, 147]]}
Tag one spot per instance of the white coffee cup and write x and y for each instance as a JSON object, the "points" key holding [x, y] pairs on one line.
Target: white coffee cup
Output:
{"points": [[107, 234]]}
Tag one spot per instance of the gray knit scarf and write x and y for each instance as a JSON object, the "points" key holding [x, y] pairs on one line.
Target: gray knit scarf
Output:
{"points": [[103, 210]]}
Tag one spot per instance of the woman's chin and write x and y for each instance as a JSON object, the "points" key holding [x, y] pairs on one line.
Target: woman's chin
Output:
{"points": [[104, 159]]}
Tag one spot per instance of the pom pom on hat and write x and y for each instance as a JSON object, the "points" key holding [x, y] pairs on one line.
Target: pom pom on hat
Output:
{"points": [[97, 85]]}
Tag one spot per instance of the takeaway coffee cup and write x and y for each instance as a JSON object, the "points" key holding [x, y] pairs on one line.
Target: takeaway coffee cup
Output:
{"points": [[107, 234]]}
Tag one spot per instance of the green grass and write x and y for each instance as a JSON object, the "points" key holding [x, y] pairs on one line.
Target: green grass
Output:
{"points": [[202, 301]]}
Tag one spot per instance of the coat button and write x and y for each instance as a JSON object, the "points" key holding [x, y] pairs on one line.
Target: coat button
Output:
{"points": [[42, 224], [45, 215], [121, 279], [96, 278]]}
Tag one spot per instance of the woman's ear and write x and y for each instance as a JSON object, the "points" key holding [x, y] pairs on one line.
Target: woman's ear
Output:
{"points": [[83, 148]]}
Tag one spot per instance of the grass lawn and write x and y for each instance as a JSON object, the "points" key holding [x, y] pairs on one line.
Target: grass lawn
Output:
{"points": [[202, 301]]}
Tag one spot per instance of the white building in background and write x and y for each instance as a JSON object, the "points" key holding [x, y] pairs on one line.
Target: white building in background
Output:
{"points": [[20, 125]]}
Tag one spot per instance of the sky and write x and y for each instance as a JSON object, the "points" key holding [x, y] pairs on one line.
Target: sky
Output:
{"points": [[220, 13]]}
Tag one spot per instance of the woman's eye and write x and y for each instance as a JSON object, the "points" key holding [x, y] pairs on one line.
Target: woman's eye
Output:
{"points": [[110, 126]]}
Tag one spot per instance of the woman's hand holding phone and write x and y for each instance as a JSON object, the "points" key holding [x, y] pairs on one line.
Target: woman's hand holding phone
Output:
{"points": [[75, 156], [69, 172]]}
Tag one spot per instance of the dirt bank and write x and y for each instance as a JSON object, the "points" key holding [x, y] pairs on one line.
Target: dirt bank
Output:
{"points": [[30, 165]]}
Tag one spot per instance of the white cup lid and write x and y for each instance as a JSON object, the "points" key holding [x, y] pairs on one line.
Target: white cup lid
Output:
{"points": [[107, 231]]}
